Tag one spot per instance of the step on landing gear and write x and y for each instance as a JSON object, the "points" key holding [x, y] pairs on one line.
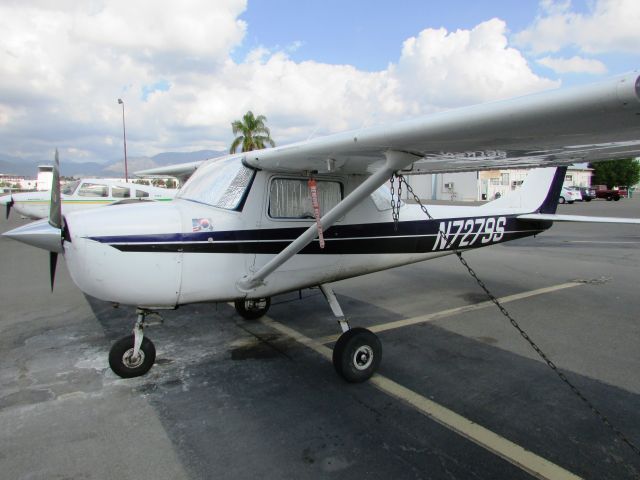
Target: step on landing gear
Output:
{"points": [[358, 352], [133, 355]]}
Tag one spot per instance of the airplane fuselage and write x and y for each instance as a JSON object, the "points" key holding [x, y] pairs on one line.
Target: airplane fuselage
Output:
{"points": [[163, 255]]}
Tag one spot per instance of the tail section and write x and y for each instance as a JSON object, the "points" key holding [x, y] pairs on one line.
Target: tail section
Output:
{"points": [[539, 192]]}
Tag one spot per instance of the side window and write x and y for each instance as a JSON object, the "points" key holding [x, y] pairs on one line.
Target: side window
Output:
{"points": [[291, 198], [141, 194], [93, 190], [120, 192], [382, 198]]}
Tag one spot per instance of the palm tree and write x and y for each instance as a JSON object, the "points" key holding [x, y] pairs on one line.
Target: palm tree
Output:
{"points": [[254, 135]]}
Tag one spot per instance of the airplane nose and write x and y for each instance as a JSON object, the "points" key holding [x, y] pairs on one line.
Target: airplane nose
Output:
{"points": [[40, 234]]}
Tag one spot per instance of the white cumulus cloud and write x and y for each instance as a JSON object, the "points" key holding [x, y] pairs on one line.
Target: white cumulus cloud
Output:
{"points": [[446, 69], [574, 64], [609, 25], [63, 66]]}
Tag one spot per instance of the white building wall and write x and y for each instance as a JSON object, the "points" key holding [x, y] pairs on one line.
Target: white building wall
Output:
{"points": [[484, 185], [45, 177]]}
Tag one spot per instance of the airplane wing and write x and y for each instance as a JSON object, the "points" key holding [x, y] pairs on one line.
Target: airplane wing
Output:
{"points": [[559, 127], [181, 171]]}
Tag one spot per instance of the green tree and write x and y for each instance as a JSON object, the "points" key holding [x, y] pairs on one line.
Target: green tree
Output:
{"points": [[624, 172], [251, 132]]}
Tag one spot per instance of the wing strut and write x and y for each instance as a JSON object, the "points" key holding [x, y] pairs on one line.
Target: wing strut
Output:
{"points": [[396, 160]]}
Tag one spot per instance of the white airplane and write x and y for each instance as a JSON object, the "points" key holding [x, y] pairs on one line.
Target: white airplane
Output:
{"points": [[249, 226], [83, 194]]}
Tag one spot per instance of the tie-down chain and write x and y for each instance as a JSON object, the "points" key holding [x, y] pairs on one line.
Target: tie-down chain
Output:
{"points": [[395, 204]]}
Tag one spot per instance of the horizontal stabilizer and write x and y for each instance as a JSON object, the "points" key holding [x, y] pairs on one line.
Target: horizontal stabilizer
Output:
{"points": [[576, 218]]}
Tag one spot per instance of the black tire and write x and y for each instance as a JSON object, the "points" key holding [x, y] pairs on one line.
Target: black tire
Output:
{"points": [[616, 198], [587, 199], [609, 198], [561, 200], [120, 357], [357, 355], [252, 309]]}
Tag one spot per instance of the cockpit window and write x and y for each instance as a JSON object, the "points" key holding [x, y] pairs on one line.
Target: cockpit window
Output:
{"points": [[220, 184], [93, 190], [69, 188]]}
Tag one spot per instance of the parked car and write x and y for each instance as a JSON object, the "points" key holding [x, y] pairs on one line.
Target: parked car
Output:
{"points": [[569, 196], [610, 194], [587, 193]]}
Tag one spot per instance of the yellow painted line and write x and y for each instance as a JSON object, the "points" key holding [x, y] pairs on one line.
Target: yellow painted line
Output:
{"points": [[430, 317], [515, 454]]}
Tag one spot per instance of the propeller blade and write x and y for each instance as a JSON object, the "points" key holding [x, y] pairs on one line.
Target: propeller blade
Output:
{"points": [[55, 210], [9, 204], [53, 262]]}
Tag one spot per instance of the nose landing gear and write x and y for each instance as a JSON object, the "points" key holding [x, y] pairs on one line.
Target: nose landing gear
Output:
{"points": [[133, 355]]}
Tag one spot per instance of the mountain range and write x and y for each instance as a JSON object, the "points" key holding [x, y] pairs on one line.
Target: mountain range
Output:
{"points": [[20, 167]]}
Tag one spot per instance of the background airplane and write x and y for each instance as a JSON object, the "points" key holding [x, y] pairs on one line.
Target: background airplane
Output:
{"points": [[249, 226], [82, 194]]}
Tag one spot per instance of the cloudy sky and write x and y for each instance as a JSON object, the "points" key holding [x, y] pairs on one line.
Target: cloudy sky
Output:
{"points": [[187, 69]]}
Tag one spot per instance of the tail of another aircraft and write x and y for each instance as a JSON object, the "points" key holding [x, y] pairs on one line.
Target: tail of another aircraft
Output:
{"points": [[539, 192]]}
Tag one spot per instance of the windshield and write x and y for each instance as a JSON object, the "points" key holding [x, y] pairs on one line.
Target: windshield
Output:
{"points": [[221, 184], [69, 188]]}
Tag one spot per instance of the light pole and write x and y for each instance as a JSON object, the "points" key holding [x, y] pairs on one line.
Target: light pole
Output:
{"points": [[124, 137]]}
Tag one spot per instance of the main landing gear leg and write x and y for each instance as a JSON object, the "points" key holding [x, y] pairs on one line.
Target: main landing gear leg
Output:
{"points": [[358, 352], [133, 355]]}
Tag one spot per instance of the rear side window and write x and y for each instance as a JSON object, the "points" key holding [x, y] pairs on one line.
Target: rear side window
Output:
{"points": [[120, 192], [141, 194], [291, 198]]}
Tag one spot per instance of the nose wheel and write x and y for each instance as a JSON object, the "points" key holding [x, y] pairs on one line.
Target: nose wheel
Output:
{"points": [[127, 364], [133, 355]]}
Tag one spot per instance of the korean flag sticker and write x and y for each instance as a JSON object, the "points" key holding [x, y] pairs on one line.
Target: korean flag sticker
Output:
{"points": [[202, 225]]}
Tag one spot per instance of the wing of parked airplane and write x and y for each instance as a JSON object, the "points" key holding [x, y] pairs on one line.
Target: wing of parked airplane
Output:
{"points": [[181, 171]]}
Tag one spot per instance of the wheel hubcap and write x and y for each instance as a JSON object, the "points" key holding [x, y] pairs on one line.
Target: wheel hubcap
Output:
{"points": [[130, 361], [255, 305], [363, 357]]}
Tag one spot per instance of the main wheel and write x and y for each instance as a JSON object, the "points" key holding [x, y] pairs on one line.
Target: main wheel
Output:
{"points": [[561, 200], [357, 355], [252, 309], [123, 363], [616, 198]]}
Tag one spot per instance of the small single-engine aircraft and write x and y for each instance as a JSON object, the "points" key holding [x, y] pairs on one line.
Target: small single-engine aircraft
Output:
{"points": [[249, 226], [82, 194]]}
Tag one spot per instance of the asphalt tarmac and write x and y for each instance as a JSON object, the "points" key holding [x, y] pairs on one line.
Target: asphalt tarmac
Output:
{"points": [[459, 394]]}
